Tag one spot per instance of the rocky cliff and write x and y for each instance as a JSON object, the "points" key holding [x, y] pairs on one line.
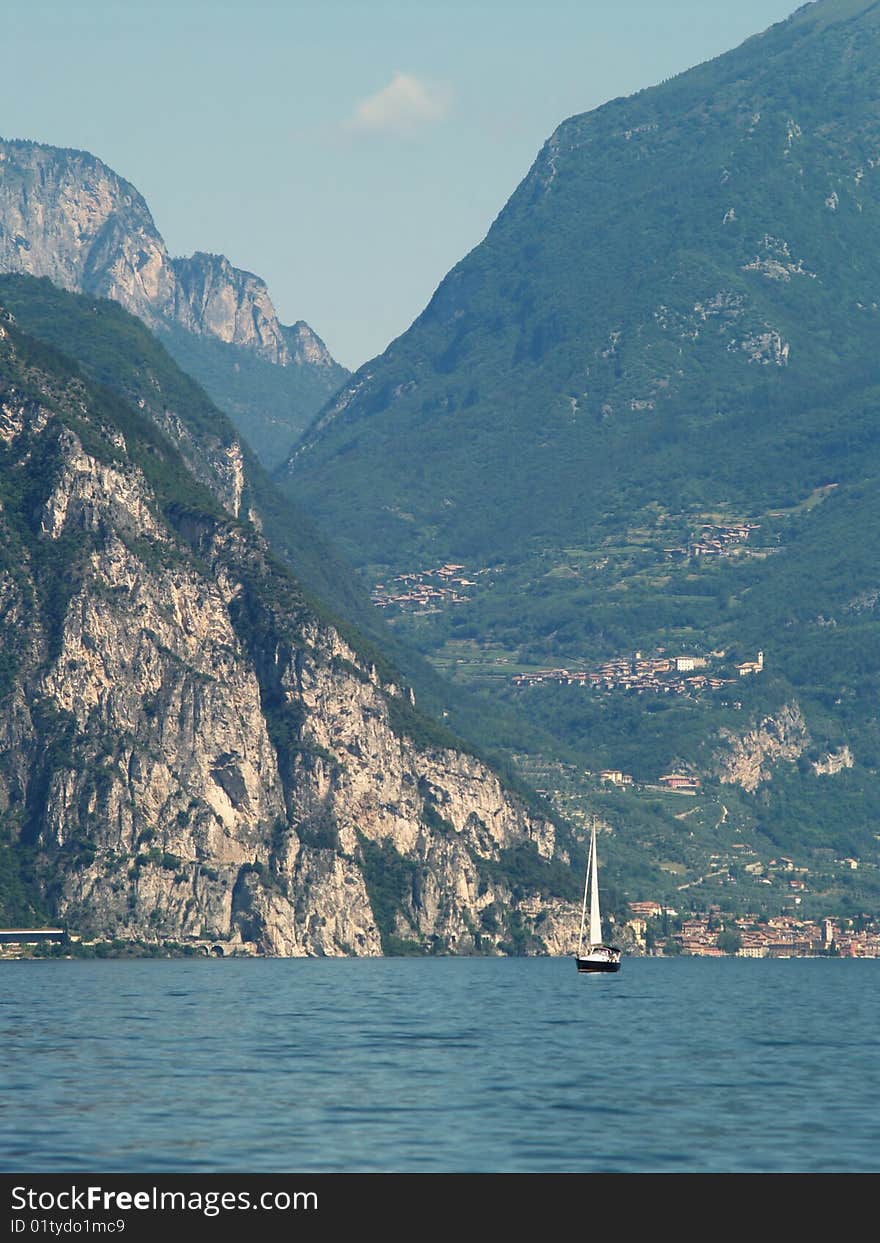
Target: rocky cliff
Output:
{"points": [[746, 759], [833, 762], [213, 297], [67, 216], [189, 753]]}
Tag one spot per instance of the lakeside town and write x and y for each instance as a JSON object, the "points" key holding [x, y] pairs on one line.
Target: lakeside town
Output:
{"points": [[711, 873], [714, 935], [655, 931]]}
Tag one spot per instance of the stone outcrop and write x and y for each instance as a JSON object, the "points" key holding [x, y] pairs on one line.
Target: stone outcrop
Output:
{"points": [[833, 762], [213, 297], [747, 759]]}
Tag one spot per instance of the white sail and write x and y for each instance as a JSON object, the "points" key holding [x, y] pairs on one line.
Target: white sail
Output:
{"points": [[586, 887], [595, 918], [598, 956]]}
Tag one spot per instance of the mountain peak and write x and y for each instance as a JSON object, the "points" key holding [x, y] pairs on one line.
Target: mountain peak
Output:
{"points": [[715, 214], [66, 215], [228, 303]]}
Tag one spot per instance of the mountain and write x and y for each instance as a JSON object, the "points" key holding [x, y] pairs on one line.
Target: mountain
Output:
{"points": [[671, 261], [639, 421], [67, 216], [193, 752]]}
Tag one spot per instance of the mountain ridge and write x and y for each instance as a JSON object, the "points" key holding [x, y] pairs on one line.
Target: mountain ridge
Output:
{"points": [[559, 356], [66, 215]]}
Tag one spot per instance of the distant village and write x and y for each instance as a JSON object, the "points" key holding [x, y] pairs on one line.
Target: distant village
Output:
{"points": [[715, 541], [426, 590], [429, 590], [783, 936], [660, 674]]}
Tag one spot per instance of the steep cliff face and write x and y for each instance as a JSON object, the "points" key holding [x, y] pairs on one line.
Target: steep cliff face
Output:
{"points": [[65, 215], [214, 297], [116, 350], [192, 755]]}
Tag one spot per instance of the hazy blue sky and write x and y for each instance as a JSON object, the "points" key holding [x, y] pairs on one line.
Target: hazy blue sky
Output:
{"points": [[349, 153]]}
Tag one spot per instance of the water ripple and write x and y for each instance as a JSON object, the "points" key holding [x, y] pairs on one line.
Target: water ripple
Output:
{"points": [[440, 1065]]}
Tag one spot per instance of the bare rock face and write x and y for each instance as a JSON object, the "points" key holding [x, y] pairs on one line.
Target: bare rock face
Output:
{"points": [[67, 216], [746, 759], [833, 762], [305, 346], [193, 755], [213, 297]]}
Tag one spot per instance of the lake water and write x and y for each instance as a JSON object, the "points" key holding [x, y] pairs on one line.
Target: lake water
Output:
{"points": [[440, 1065]]}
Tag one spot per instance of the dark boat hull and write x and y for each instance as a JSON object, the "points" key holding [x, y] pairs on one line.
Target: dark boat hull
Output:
{"points": [[591, 965]]}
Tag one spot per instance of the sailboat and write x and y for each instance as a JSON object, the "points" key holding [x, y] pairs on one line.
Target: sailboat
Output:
{"points": [[595, 955]]}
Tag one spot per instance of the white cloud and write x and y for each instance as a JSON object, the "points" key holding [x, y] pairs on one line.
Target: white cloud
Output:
{"points": [[406, 103]]}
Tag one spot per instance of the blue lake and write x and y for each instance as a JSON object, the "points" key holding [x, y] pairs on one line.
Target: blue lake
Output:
{"points": [[440, 1065]]}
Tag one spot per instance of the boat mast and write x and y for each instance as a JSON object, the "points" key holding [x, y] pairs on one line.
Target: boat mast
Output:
{"points": [[586, 887], [595, 919]]}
